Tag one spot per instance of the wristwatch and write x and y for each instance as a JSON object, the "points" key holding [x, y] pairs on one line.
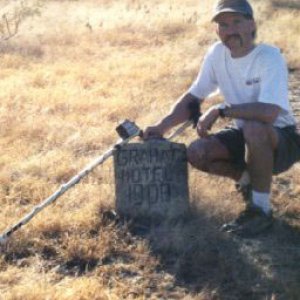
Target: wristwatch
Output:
{"points": [[221, 108]]}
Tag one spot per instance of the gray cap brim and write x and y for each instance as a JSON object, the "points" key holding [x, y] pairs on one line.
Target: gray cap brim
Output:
{"points": [[226, 10]]}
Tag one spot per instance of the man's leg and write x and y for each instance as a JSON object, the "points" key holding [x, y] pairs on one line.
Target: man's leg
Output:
{"points": [[223, 154], [211, 156], [261, 141]]}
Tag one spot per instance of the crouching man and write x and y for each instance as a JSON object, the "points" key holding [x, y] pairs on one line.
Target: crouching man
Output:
{"points": [[253, 80]]}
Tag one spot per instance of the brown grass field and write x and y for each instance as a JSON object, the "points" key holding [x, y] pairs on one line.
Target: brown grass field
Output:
{"points": [[66, 79]]}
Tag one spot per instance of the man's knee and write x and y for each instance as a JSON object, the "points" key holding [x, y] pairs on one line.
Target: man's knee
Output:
{"points": [[197, 154], [257, 132]]}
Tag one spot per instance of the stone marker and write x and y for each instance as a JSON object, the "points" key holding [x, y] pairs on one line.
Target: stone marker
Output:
{"points": [[151, 179]]}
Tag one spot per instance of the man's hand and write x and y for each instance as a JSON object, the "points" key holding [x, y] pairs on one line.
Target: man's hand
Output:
{"points": [[152, 132], [207, 120]]}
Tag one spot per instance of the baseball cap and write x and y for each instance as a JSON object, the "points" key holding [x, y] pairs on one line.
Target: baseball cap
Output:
{"points": [[237, 6]]}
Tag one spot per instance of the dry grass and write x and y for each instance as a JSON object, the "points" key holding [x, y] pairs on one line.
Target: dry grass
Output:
{"points": [[66, 80]]}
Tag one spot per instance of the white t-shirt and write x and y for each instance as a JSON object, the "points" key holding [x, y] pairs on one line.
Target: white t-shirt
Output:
{"points": [[260, 76]]}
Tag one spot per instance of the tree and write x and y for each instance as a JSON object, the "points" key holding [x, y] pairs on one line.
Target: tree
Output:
{"points": [[14, 15]]}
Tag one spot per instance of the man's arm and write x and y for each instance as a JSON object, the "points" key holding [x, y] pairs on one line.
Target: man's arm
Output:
{"points": [[179, 113], [258, 111]]}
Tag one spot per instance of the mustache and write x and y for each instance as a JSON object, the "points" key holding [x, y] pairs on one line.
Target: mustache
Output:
{"points": [[234, 36]]}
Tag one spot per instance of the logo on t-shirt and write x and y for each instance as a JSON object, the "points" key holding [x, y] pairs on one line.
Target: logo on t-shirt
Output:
{"points": [[253, 81]]}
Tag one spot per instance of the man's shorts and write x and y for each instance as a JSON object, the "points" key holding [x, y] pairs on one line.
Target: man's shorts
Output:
{"points": [[285, 155]]}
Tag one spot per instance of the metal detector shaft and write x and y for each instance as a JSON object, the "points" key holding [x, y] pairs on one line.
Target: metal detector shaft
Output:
{"points": [[63, 188], [180, 130]]}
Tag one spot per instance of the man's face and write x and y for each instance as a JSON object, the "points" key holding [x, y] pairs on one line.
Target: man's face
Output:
{"points": [[236, 32]]}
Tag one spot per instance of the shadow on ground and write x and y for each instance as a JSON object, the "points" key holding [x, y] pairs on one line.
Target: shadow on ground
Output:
{"points": [[200, 257], [197, 254]]}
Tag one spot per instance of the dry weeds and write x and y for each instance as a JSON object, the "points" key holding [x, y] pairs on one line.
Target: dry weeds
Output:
{"points": [[66, 80]]}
